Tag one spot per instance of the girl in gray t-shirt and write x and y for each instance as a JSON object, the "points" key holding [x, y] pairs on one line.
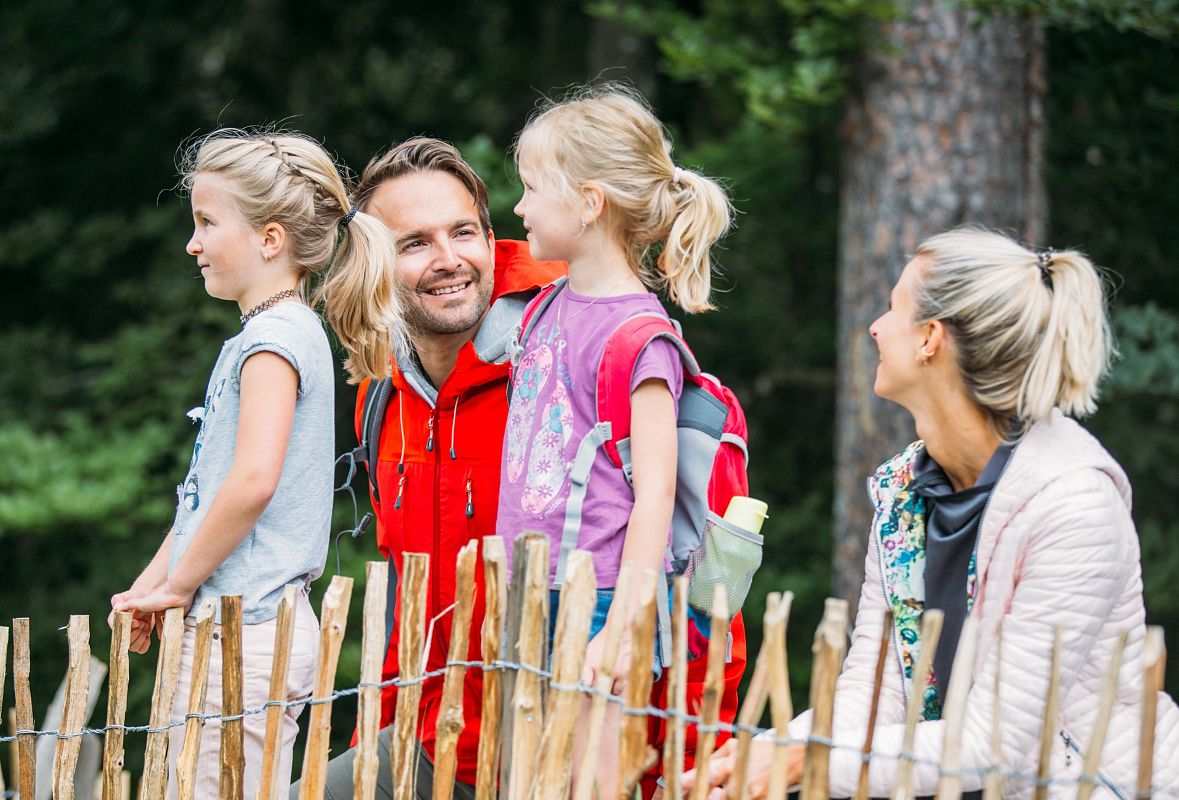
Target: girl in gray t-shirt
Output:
{"points": [[254, 509]]}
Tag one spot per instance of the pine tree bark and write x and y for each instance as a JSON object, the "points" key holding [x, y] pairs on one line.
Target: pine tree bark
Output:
{"points": [[945, 126]]}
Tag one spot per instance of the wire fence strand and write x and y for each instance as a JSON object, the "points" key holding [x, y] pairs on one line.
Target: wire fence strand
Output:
{"points": [[1010, 775]]}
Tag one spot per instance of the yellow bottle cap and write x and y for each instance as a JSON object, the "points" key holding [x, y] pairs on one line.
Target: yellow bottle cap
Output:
{"points": [[747, 513]]}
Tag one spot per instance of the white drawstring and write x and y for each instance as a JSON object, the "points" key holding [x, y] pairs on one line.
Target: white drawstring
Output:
{"points": [[401, 423], [453, 425]]}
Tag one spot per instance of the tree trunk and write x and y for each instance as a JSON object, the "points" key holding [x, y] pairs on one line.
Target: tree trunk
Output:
{"points": [[945, 127]]}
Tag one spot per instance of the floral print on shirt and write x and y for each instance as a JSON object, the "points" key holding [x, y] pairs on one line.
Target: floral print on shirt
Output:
{"points": [[899, 526]]}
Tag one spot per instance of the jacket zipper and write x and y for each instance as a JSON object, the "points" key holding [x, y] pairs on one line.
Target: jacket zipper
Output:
{"points": [[1071, 744], [896, 641], [436, 544], [470, 497], [982, 517]]}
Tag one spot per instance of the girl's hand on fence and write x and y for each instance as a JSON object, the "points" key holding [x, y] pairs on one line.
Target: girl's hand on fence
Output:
{"points": [[141, 624], [595, 654], [159, 599]]}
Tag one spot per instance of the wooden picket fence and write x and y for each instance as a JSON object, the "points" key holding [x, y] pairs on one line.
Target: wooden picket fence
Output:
{"points": [[529, 713]]}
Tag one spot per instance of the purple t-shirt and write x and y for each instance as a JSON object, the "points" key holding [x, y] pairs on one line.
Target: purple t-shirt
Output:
{"points": [[553, 407]]}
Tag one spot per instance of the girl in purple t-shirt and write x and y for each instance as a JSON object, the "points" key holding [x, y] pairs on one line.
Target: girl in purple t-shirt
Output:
{"points": [[600, 191]]}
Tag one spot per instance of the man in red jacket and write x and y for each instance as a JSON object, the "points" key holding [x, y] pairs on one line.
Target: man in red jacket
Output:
{"points": [[438, 465]]}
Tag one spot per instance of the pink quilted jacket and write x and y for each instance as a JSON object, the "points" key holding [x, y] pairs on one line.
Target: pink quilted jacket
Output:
{"points": [[1057, 546]]}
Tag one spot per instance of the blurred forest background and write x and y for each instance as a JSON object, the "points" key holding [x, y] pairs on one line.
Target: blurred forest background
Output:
{"points": [[107, 337]]}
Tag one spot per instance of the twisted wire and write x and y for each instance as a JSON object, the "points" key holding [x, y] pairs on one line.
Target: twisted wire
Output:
{"points": [[502, 665]]}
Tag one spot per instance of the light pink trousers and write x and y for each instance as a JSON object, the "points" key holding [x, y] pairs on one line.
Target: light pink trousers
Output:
{"points": [[257, 657]]}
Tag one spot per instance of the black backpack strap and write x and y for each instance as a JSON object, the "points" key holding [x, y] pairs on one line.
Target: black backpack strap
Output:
{"points": [[376, 400]]}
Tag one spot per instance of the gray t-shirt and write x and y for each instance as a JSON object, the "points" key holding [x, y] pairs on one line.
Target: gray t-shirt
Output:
{"points": [[289, 542]]}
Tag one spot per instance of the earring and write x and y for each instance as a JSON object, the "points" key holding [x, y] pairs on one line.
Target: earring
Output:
{"points": [[584, 224], [926, 355]]}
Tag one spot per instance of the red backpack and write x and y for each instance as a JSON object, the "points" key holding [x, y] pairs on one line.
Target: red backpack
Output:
{"points": [[712, 436]]}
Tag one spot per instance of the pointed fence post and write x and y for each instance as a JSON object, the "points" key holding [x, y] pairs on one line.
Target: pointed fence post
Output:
{"points": [[1109, 693], [494, 608], [26, 744], [116, 708], [829, 647], [603, 682], [752, 708], [961, 677], [931, 630], [1154, 662], [637, 755], [714, 676], [781, 703], [575, 611], [13, 751], [372, 657], [528, 700], [993, 785], [284, 625], [233, 757], [47, 746], [333, 621], [69, 742], [1051, 711], [515, 612], [186, 763], [154, 783], [410, 644], [450, 714], [3, 666], [677, 689], [874, 709]]}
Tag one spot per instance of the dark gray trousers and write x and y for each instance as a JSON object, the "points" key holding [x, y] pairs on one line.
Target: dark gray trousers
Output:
{"points": [[339, 775]]}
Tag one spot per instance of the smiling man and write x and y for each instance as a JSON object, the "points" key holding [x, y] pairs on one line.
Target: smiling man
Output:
{"points": [[441, 442], [438, 466]]}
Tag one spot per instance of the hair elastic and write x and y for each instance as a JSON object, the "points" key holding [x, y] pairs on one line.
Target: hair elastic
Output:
{"points": [[676, 175], [1044, 262], [344, 220]]}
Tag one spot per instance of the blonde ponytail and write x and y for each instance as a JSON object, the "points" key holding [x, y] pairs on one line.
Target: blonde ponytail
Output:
{"points": [[701, 216], [360, 300], [607, 136], [1075, 348], [1029, 330], [288, 178]]}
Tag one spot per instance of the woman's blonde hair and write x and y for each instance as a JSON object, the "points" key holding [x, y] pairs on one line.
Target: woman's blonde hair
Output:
{"points": [[289, 179], [607, 136], [1029, 329]]}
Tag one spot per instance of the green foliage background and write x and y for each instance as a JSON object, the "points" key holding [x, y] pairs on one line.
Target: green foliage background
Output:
{"points": [[107, 336]]}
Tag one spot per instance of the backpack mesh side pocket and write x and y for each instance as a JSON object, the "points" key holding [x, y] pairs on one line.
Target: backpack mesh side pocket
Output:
{"points": [[728, 555]]}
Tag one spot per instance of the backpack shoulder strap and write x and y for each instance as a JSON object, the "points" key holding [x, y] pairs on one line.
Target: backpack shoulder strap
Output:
{"points": [[536, 306], [616, 369], [376, 401]]}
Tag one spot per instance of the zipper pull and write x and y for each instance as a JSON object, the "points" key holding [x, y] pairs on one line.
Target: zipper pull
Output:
{"points": [[470, 497], [400, 490], [1068, 753], [430, 438]]}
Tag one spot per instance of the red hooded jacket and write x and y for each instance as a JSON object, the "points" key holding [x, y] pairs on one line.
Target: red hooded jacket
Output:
{"points": [[449, 442]]}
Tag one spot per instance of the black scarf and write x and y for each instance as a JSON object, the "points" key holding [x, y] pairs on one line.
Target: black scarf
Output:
{"points": [[951, 530]]}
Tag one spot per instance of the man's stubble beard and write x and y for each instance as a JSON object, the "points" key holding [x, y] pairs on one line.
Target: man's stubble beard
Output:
{"points": [[422, 322]]}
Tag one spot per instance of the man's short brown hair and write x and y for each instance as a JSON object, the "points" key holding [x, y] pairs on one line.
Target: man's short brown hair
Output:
{"points": [[423, 154]]}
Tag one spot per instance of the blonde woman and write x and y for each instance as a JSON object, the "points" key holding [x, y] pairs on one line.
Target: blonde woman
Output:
{"points": [[1005, 510]]}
